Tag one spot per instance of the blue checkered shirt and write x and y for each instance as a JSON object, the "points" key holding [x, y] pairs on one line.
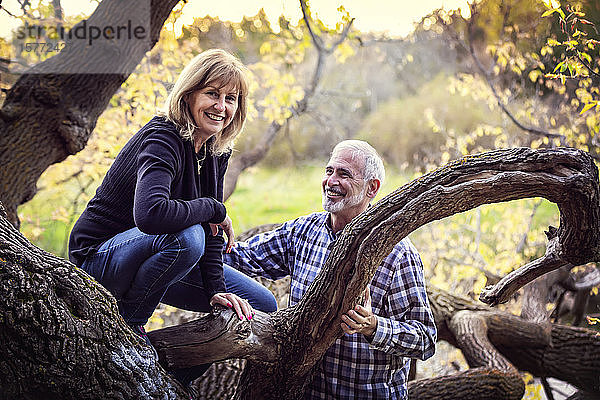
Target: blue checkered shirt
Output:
{"points": [[353, 367]]}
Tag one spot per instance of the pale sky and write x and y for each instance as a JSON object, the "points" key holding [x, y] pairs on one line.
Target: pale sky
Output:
{"points": [[395, 17]]}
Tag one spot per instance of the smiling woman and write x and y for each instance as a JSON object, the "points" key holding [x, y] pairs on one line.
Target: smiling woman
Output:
{"points": [[153, 231], [214, 82]]}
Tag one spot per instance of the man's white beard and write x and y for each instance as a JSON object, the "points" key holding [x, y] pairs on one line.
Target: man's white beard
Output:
{"points": [[337, 206]]}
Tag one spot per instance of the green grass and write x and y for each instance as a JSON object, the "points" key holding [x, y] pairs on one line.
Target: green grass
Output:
{"points": [[265, 196]]}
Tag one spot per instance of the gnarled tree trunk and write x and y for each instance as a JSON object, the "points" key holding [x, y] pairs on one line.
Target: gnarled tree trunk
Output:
{"points": [[61, 334]]}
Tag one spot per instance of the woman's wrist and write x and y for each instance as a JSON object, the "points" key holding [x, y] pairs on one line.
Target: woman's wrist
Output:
{"points": [[219, 212]]}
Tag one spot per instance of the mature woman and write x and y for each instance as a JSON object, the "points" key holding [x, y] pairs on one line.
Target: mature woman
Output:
{"points": [[153, 231]]}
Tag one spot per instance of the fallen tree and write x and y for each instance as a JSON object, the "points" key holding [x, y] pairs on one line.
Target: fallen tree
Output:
{"points": [[63, 336]]}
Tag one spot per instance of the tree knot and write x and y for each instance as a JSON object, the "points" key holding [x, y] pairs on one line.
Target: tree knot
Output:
{"points": [[551, 233]]}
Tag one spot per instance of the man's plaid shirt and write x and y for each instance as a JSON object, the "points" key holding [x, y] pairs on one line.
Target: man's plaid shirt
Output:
{"points": [[352, 368]]}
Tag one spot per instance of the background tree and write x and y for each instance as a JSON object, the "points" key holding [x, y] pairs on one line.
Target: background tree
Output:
{"points": [[64, 103]]}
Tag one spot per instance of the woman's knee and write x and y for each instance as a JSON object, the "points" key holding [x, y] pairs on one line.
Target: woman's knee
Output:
{"points": [[193, 240], [189, 243]]}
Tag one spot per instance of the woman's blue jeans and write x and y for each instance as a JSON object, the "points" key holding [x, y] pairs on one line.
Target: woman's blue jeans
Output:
{"points": [[141, 270]]}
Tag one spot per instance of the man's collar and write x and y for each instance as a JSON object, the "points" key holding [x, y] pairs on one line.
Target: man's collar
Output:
{"points": [[328, 227]]}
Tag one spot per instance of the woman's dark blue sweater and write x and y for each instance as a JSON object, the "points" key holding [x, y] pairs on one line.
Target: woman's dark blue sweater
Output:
{"points": [[154, 184]]}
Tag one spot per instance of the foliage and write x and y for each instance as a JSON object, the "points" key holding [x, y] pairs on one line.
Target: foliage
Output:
{"points": [[446, 118], [525, 57], [465, 250], [579, 47]]}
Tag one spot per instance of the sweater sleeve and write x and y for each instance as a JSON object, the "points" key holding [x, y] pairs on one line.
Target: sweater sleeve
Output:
{"points": [[211, 265], [154, 211], [212, 262]]}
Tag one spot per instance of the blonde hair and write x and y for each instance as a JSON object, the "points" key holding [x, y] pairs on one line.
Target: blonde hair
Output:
{"points": [[213, 67]]}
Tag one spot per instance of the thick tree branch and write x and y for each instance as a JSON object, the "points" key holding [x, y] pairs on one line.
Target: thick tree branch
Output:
{"points": [[61, 333], [476, 383], [565, 176], [471, 332], [503, 290], [545, 350], [510, 335], [218, 336]]}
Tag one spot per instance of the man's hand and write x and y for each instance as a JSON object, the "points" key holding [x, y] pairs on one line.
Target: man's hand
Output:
{"points": [[227, 226], [241, 306], [361, 319]]}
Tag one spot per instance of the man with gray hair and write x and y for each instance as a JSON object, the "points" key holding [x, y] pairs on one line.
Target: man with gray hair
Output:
{"points": [[372, 359]]}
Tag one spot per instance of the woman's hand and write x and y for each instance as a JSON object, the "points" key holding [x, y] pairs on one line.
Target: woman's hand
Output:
{"points": [[241, 306], [227, 226]]}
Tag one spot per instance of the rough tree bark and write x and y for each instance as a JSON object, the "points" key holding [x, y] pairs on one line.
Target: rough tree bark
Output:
{"points": [[545, 350], [47, 117], [567, 177], [57, 326], [498, 345], [61, 335]]}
